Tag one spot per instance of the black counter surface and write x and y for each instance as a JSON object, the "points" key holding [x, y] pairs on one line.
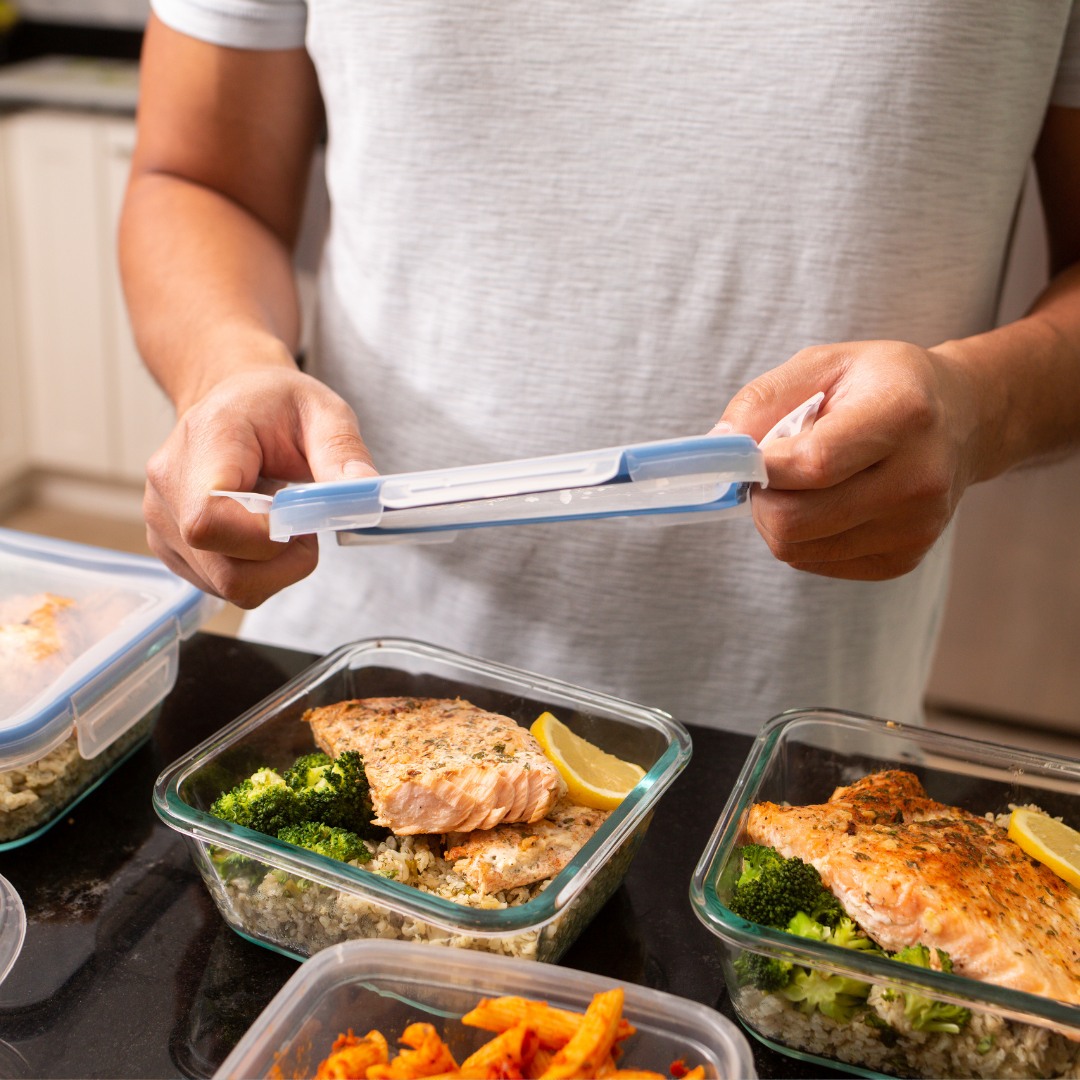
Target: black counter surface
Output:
{"points": [[128, 970]]}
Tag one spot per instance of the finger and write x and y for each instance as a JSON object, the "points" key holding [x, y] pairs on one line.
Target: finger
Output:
{"points": [[843, 443], [332, 444], [244, 582], [247, 584], [761, 403], [886, 545]]}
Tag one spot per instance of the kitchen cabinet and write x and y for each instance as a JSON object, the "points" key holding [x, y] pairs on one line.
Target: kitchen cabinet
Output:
{"points": [[12, 448], [90, 408]]}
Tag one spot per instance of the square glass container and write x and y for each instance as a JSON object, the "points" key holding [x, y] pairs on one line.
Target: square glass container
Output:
{"points": [[800, 757], [365, 985], [298, 902], [89, 647]]}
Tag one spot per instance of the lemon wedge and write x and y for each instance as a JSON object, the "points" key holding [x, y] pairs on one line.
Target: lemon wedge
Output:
{"points": [[594, 777], [1052, 842]]}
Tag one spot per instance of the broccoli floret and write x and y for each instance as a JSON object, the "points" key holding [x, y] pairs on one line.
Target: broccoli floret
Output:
{"points": [[925, 1013], [788, 894], [327, 840], [771, 889], [837, 996], [754, 858], [768, 973], [231, 864], [263, 802], [849, 935], [332, 790]]}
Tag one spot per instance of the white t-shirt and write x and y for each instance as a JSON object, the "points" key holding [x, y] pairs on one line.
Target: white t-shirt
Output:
{"points": [[560, 225]]}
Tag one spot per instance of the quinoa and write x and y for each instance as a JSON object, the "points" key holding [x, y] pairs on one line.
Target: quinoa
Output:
{"points": [[878, 1037], [989, 1046], [302, 916], [34, 794]]}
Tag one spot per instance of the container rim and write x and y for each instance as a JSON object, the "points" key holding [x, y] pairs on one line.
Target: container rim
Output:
{"points": [[406, 899], [353, 961], [734, 930]]}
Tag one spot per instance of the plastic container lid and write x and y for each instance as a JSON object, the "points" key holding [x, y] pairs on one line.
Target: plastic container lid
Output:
{"points": [[666, 482], [12, 926], [88, 638]]}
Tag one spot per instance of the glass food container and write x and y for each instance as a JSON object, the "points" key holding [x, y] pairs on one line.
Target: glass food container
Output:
{"points": [[89, 647], [800, 757], [298, 902], [365, 985]]}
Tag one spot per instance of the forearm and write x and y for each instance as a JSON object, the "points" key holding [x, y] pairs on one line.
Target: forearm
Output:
{"points": [[1024, 381], [210, 290]]}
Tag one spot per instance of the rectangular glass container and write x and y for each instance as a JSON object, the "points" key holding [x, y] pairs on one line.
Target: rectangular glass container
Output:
{"points": [[800, 757], [298, 902]]}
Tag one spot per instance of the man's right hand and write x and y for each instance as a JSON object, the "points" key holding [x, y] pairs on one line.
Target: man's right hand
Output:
{"points": [[266, 424]]}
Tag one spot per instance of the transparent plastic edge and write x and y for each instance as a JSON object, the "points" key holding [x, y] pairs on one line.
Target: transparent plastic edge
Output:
{"points": [[398, 897], [355, 961]]}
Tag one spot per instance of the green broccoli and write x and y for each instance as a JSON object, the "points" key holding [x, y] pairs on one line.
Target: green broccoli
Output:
{"points": [[753, 860], [837, 996], [263, 802], [231, 864], [327, 840], [333, 791], [771, 889], [788, 894], [925, 1013], [768, 973]]}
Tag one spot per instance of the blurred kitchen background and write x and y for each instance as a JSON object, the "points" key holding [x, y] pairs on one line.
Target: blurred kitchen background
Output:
{"points": [[79, 415]]}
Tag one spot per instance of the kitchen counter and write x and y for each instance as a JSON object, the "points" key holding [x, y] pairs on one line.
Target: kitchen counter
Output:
{"points": [[128, 970]]}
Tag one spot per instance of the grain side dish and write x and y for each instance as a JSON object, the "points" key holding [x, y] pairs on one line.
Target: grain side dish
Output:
{"points": [[33, 794], [434, 794], [882, 869]]}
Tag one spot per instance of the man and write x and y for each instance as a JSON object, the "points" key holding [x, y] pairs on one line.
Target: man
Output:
{"points": [[559, 226]]}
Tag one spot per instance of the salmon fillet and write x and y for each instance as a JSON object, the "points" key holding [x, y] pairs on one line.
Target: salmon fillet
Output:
{"points": [[437, 765], [912, 871], [509, 856]]}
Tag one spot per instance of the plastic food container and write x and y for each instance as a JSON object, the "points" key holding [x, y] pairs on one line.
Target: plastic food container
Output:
{"points": [[298, 902], [800, 757], [89, 644], [386, 985]]}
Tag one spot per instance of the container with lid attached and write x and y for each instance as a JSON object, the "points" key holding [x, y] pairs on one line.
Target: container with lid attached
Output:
{"points": [[89, 644]]}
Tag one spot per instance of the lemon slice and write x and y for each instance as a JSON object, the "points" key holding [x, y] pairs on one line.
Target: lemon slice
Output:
{"points": [[1052, 842], [594, 777]]}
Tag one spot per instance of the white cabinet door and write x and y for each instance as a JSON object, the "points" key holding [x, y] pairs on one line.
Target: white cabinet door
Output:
{"points": [[59, 289], [12, 448], [144, 414], [91, 407]]}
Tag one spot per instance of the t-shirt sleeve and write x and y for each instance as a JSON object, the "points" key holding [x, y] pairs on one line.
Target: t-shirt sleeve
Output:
{"points": [[1066, 89], [239, 24]]}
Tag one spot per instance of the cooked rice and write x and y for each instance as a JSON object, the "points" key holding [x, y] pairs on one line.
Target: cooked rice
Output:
{"points": [[33, 794], [989, 1047], [303, 916]]}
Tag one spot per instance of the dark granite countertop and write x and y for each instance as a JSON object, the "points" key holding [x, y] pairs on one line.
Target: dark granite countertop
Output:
{"points": [[128, 970]]}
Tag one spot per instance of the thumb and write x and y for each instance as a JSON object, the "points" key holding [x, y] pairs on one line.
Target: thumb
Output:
{"points": [[770, 397], [334, 448]]}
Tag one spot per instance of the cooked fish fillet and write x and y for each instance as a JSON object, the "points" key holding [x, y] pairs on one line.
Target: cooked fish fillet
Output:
{"points": [[509, 856], [911, 870], [30, 630], [439, 765]]}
